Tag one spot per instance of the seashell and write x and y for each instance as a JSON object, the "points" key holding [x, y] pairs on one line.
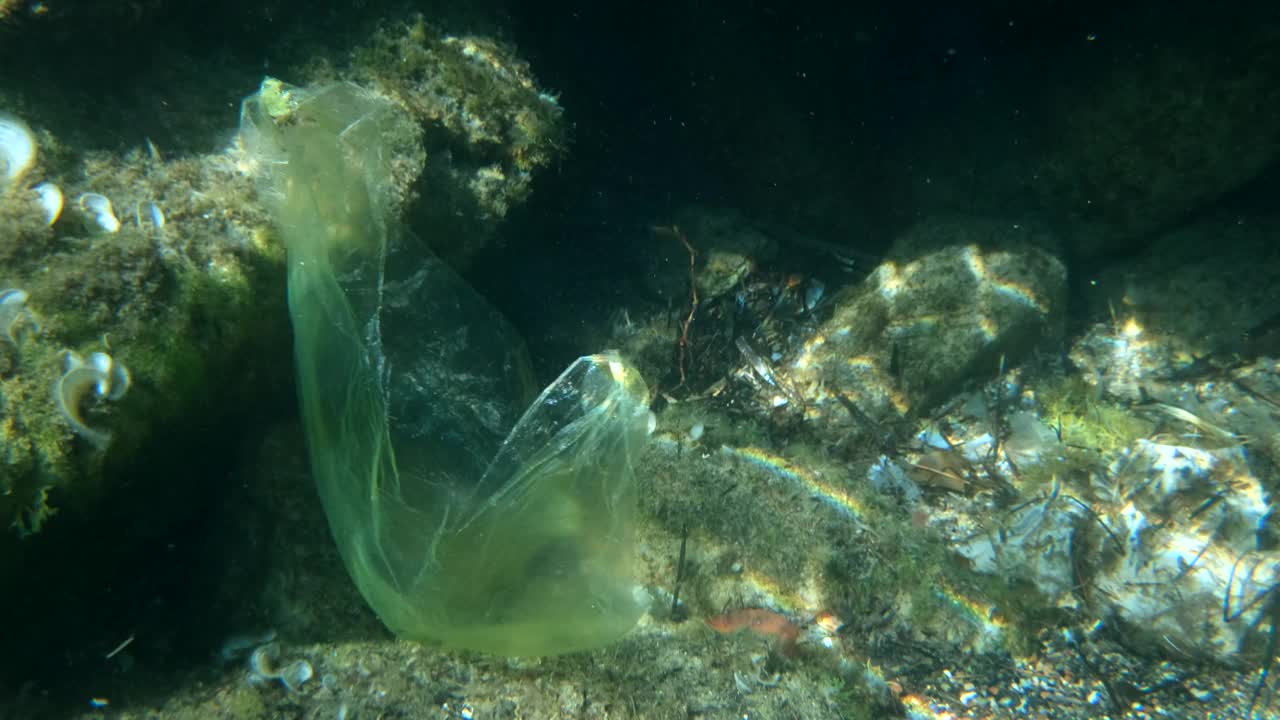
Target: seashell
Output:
{"points": [[813, 294], [51, 200], [696, 432], [99, 208], [115, 380], [17, 148], [147, 212], [99, 376], [263, 659], [262, 667], [295, 674], [13, 309]]}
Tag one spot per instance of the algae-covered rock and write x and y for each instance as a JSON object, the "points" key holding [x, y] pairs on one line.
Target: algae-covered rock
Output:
{"points": [[178, 290], [1151, 512], [488, 128], [185, 299], [955, 300]]}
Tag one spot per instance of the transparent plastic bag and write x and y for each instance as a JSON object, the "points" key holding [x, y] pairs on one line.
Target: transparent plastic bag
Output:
{"points": [[463, 517]]}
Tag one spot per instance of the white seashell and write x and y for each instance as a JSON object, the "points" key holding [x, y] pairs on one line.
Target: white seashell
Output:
{"points": [[262, 660], [51, 200], [114, 379], [120, 379], [147, 212], [99, 208], [110, 223], [17, 148], [80, 380], [695, 432], [295, 674]]}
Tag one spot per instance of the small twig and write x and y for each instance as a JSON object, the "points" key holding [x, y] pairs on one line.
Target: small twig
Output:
{"points": [[675, 591], [119, 647], [683, 344]]}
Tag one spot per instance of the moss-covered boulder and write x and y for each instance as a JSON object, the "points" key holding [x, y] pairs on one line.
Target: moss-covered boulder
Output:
{"points": [[954, 301], [488, 127]]}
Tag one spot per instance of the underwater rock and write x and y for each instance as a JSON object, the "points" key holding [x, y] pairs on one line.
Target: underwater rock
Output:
{"points": [[1210, 286], [1137, 148], [491, 129], [1162, 535], [1121, 361], [955, 300], [1182, 565], [1035, 542]]}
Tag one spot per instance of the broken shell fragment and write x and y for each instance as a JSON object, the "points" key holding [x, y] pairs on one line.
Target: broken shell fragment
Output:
{"points": [[50, 198], [17, 148], [100, 376], [99, 209]]}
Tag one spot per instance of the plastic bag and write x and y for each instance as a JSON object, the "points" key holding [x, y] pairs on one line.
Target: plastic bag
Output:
{"points": [[463, 517]]}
